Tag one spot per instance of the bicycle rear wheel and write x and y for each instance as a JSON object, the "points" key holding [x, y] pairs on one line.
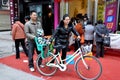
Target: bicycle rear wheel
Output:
{"points": [[43, 68], [94, 68]]}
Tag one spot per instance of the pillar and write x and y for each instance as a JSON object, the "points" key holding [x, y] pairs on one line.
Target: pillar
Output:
{"points": [[95, 13], [89, 9], [56, 14]]}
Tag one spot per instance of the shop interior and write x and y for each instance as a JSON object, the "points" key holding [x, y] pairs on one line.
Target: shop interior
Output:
{"points": [[44, 11]]}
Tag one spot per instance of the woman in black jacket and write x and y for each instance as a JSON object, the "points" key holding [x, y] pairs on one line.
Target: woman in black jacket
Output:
{"points": [[61, 35]]}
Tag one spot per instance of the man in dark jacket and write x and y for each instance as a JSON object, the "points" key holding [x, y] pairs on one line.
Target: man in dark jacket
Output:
{"points": [[101, 32], [61, 35]]}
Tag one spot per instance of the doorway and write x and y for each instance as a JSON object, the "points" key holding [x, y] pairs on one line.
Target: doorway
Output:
{"points": [[44, 12]]}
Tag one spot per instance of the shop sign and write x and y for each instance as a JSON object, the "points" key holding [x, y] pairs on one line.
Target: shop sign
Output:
{"points": [[111, 15], [101, 12], [13, 10]]}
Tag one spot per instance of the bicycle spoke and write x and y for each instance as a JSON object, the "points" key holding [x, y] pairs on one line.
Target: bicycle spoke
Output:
{"points": [[44, 69], [93, 71]]}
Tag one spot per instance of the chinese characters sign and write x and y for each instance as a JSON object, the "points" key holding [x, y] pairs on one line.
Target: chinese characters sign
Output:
{"points": [[13, 10], [111, 15], [101, 12]]}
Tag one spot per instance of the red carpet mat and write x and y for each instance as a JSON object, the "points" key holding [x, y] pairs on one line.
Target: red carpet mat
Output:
{"points": [[111, 68]]}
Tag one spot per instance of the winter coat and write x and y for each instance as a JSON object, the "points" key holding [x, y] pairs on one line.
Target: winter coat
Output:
{"points": [[61, 34], [18, 31], [101, 29], [79, 29]]}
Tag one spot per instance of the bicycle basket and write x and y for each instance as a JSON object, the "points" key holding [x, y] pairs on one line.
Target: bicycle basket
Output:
{"points": [[44, 47], [40, 44]]}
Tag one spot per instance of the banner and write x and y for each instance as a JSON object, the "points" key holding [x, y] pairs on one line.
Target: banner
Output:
{"points": [[114, 41], [101, 12], [111, 15]]}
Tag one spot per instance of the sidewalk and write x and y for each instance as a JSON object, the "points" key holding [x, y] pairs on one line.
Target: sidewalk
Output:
{"points": [[6, 44], [6, 49], [8, 73]]}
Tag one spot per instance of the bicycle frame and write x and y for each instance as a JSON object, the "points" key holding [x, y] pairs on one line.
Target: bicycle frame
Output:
{"points": [[82, 56], [62, 66]]}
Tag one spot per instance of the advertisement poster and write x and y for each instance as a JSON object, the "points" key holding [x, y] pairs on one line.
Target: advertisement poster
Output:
{"points": [[111, 15]]}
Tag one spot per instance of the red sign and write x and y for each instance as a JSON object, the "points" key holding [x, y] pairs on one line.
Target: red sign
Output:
{"points": [[110, 25], [13, 10]]}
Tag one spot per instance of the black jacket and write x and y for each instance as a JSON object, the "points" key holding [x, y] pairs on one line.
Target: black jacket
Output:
{"points": [[101, 29], [61, 34]]}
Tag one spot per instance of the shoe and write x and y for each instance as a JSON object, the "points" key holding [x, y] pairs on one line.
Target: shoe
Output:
{"points": [[42, 66], [32, 69], [26, 55], [17, 57], [102, 56]]}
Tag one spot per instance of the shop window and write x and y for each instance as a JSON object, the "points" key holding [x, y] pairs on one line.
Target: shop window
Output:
{"points": [[4, 5]]}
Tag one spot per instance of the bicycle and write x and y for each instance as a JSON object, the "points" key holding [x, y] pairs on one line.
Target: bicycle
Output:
{"points": [[87, 67]]}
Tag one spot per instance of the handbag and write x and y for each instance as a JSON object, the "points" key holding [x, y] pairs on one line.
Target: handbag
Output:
{"points": [[106, 41]]}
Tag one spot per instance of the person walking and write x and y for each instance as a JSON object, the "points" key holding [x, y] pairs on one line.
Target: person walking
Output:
{"points": [[18, 35], [31, 28], [61, 35], [101, 32]]}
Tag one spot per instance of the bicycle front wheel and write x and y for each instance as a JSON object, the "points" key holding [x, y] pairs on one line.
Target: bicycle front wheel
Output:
{"points": [[43, 68], [93, 69]]}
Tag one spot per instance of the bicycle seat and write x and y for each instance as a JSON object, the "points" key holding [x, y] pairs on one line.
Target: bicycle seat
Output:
{"points": [[57, 46]]}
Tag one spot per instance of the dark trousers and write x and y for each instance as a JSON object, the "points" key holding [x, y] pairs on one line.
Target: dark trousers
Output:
{"points": [[31, 47], [77, 44], [64, 51], [88, 41], [17, 44], [99, 49]]}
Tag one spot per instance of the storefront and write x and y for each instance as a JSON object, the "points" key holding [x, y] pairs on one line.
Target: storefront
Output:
{"points": [[79, 7], [4, 15], [44, 9]]}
